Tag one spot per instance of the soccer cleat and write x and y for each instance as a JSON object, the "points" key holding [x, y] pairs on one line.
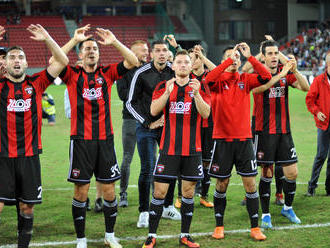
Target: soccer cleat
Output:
{"points": [[111, 241], [188, 241], [123, 202], [81, 243], [266, 222], [88, 205], [205, 202], [143, 221], [218, 232], [256, 234], [98, 206], [243, 202], [290, 214], [150, 242], [279, 199], [178, 202], [171, 213], [310, 192]]}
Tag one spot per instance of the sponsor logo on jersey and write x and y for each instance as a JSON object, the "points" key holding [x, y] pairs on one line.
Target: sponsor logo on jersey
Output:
{"points": [[29, 90], [277, 92], [160, 168], [75, 173], [19, 105], [215, 167], [92, 94], [226, 87], [241, 85], [99, 80], [180, 107]]}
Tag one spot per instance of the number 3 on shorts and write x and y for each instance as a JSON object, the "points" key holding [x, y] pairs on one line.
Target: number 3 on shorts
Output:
{"points": [[254, 165], [114, 170]]}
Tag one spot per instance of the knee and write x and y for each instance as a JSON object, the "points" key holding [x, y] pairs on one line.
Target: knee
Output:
{"points": [[159, 194], [108, 191], [250, 184], [188, 192], [291, 173], [267, 171], [26, 209], [222, 184], [80, 193]]}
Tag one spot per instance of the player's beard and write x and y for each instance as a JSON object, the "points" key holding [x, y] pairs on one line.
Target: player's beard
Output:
{"points": [[16, 76]]}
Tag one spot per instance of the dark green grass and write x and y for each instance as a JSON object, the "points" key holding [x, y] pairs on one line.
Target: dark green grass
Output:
{"points": [[53, 221]]}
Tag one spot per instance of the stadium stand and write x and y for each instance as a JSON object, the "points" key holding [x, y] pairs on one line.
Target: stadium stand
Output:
{"points": [[178, 25]]}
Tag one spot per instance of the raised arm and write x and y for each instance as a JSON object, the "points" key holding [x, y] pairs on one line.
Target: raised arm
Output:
{"points": [[198, 51], [202, 107], [301, 83], [60, 58], [283, 59], [108, 38]]}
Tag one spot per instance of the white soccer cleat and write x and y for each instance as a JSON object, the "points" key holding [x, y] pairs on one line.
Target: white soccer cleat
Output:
{"points": [[82, 243], [171, 213], [143, 221], [111, 241]]}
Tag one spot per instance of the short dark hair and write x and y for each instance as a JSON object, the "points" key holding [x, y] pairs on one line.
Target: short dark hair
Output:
{"points": [[182, 52], [82, 43], [158, 42], [191, 50], [15, 48], [226, 49], [267, 43], [3, 51]]}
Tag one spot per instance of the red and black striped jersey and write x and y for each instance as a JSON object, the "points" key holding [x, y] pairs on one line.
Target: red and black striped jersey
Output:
{"points": [[271, 108], [21, 115], [201, 78], [90, 99], [181, 133]]}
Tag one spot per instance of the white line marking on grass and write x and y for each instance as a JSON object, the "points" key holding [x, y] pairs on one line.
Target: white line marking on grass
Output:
{"points": [[135, 186], [141, 238]]}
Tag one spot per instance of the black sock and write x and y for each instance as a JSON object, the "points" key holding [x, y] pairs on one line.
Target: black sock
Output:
{"points": [[25, 234], [264, 192], [179, 187], [155, 212], [187, 210], [289, 189], [19, 218], [252, 205], [220, 202], [79, 217], [206, 181], [279, 177], [110, 214], [170, 194]]}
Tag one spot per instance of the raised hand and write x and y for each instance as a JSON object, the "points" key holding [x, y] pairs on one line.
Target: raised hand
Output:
{"points": [[170, 85], [2, 31], [108, 38], [268, 37], [321, 116], [195, 85], [245, 49], [38, 32], [80, 34], [234, 56], [287, 67], [171, 39], [198, 51], [294, 62]]}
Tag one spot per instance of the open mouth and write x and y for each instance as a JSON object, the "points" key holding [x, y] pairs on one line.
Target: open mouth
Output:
{"points": [[17, 67]]}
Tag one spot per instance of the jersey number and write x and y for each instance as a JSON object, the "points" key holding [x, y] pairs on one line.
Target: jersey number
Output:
{"points": [[40, 192], [114, 170], [254, 165], [293, 152], [200, 168]]}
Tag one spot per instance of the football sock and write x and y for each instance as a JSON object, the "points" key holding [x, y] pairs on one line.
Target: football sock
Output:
{"points": [[25, 234], [220, 202], [279, 176], [205, 183], [179, 187], [252, 205], [155, 212], [79, 217], [170, 194], [264, 191], [110, 214], [187, 210], [289, 189], [19, 218]]}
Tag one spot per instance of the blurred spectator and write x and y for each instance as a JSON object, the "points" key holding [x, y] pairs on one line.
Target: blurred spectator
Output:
{"points": [[311, 52], [48, 108]]}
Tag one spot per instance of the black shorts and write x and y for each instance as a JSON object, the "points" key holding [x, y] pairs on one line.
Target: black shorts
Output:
{"points": [[275, 148], [226, 154], [20, 179], [169, 167], [93, 156], [207, 143]]}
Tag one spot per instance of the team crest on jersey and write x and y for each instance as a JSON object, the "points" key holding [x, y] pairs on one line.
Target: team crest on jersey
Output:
{"points": [[92, 94], [160, 168], [241, 85], [226, 87], [99, 80], [260, 155], [215, 167], [75, 173], [29, 90], [283, 81], [180, 107], [19, 105]]}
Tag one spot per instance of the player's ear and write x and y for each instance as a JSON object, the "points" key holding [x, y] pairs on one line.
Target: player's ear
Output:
{"points": [[80, 55], [151, 55]]}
